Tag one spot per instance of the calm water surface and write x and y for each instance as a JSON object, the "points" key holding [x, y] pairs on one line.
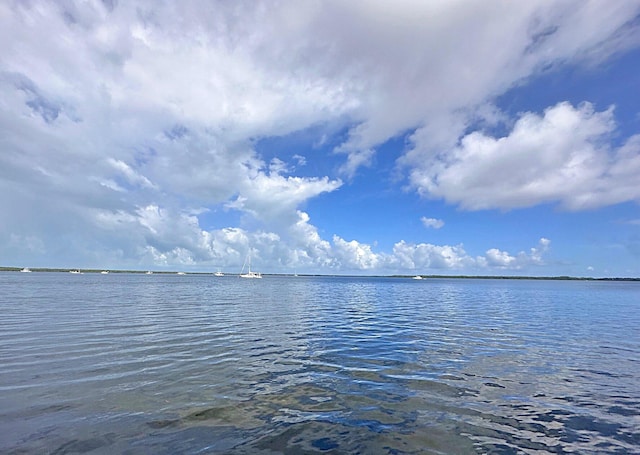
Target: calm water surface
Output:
{"points": [[164, 364]]}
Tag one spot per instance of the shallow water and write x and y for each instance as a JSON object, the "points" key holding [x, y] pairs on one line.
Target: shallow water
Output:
{"points": [[163, 364]]}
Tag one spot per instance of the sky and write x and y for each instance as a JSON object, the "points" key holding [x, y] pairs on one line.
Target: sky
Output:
{"points": [[365, 137]]}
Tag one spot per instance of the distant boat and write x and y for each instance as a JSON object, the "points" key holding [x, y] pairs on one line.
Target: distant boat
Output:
{"points": [[417, 277], [76, 272], [105, 272], [26, 270], [149, 273], [218, 273], [181, 273], [249, 274]]}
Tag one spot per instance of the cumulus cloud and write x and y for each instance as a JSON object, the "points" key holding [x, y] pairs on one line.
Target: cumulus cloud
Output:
{"points": [[435, 66], [537, 252], [503, 260], [271, 196], [177, 238], [162, 236], [562, 155], [309, 248], [425, 256], [121, 120], [354, 255]]}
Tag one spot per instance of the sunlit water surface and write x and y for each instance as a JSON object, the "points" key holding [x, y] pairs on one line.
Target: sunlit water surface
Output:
{"points": [[164, 364]]}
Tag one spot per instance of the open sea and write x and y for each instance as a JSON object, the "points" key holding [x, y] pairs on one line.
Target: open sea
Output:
{"points": [[197, 364]]}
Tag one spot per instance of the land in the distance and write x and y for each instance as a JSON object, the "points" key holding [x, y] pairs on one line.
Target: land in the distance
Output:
{"points": [[479, 277]]}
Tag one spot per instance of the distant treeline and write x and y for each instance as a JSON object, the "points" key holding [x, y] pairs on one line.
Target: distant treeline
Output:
{"points": [[47, 269], [476, 277], [512, 277]]}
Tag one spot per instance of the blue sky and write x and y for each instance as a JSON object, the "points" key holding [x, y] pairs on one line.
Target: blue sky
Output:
{"points": [[362, 137]]}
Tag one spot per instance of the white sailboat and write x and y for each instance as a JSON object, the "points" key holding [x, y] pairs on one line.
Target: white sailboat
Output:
{"points": [[218, 273], [249, 274]]}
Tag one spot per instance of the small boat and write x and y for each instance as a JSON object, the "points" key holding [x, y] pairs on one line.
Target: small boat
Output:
{"points": [[75, 272], [181, 273], [218, 273], [249, 274], [104, 272], [149, 273], [417, 277], [26, 270]]}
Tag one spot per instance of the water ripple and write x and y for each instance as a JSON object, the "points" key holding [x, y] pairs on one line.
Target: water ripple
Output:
{"points": [[165, 364]]}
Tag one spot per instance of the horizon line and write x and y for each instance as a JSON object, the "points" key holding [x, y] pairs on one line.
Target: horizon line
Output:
{"points": [[458, 276]]}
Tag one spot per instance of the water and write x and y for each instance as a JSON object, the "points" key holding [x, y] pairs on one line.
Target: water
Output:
{"points": [[164, 364]]}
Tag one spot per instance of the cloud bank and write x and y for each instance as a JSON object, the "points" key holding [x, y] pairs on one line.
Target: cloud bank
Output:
{"points": [[124, 124], [561, 156]]}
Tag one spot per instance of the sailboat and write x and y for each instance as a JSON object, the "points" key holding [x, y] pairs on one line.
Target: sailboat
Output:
{"points": [[249, 274]]}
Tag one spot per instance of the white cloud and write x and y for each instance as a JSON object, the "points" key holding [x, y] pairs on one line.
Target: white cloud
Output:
{"points": [[118, 122], [309, 249], [432, 222], [277, 166], [559, 156], [354, 255], [177, 239], [120, 91], [500, 259], [503, 260], [129, 174], [161, 236], [537, 252], [422, 64], [356, 160], [275, 198], [425, 256], [302, 161]]}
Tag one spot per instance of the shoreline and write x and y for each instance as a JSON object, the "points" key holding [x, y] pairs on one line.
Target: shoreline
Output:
{"points": [[467, 277]]}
